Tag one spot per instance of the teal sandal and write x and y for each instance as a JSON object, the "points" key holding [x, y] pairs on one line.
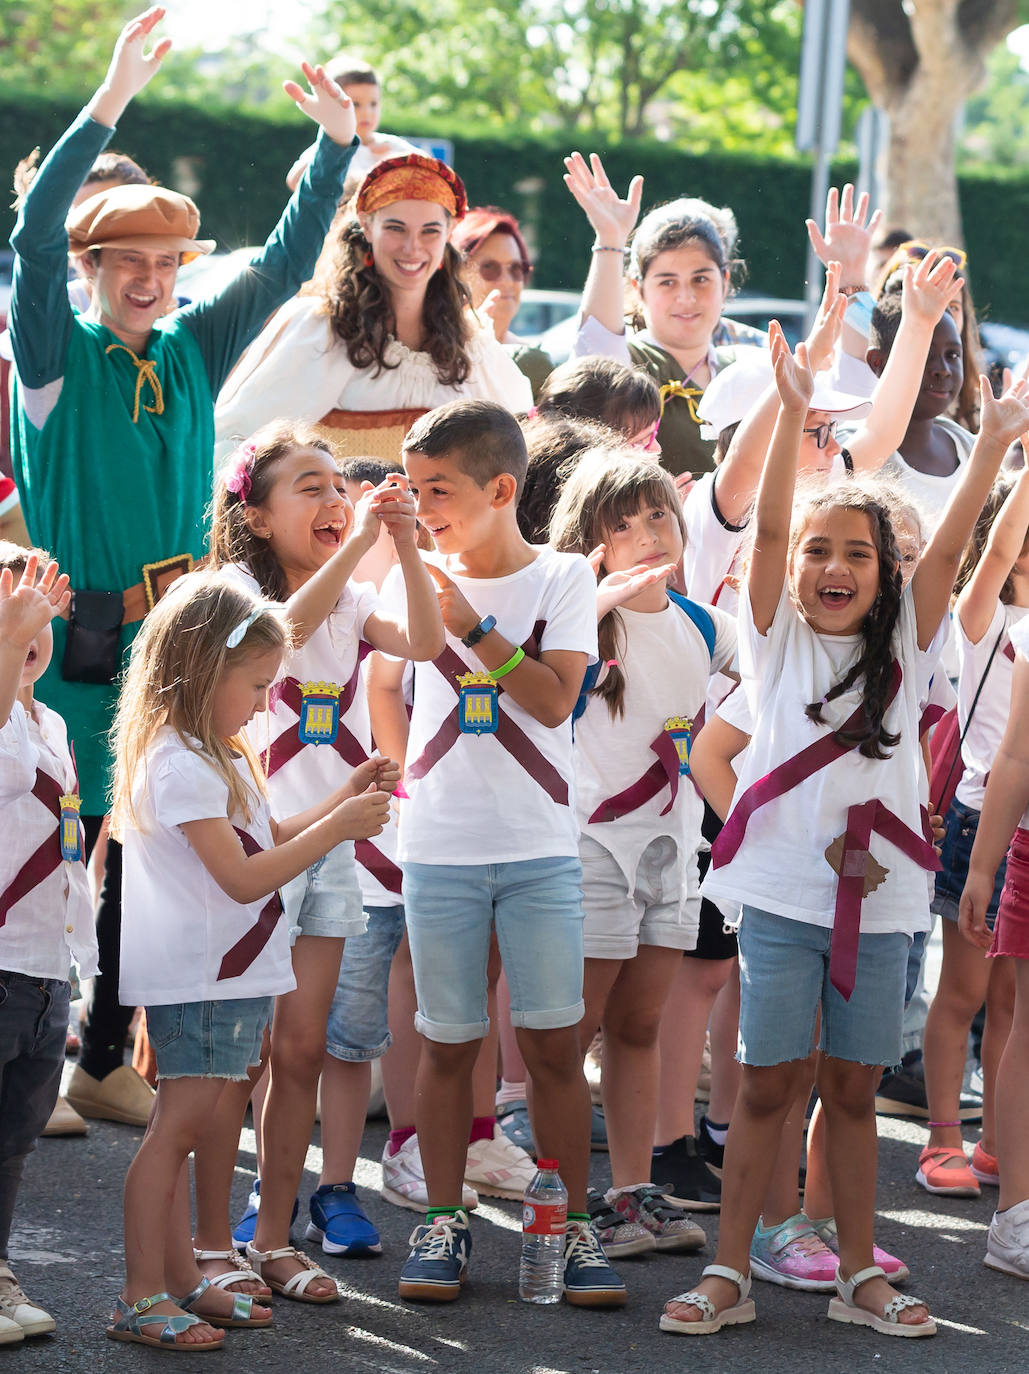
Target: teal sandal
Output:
{"points": [[242, 1308], [134, 1317]]}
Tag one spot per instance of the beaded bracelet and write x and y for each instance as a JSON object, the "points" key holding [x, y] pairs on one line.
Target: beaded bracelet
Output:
{"points": [[606, 248]]}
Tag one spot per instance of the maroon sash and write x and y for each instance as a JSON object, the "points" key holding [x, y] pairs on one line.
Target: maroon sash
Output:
{"points": [[40, 864], [1009, 651], [246, 949], [379, 865], [509, 735], [288, 744], [932, 715], [665, 770]]}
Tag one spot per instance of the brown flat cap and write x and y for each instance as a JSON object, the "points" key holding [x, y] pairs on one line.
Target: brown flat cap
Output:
{"points": [[137, 217]]}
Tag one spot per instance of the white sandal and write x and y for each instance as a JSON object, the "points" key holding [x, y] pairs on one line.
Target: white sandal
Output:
{"points": [[238, 1272], [844, 1309], [296, 1287], [740, 1312]]}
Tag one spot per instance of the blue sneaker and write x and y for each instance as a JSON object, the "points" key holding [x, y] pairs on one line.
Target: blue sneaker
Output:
{"points": [[590, 1280], [338, 1220], [438, 1263], [244, 1230], [598, 1129], [513, 1119]]}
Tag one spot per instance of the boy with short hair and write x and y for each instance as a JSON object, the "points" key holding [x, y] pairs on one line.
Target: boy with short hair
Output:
{"points": [[488, 836]]}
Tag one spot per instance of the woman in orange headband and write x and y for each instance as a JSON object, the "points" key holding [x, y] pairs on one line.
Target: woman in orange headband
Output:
{"points": [[385, 331]]}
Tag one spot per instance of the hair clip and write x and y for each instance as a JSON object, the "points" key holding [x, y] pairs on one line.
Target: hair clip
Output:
{"points": [[237, 477], [237, 636]]}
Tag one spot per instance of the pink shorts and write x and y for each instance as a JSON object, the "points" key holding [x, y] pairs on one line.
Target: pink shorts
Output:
{"points": [[1011, 932]]}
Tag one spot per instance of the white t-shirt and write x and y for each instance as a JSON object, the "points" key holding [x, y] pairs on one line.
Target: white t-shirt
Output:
{"points": [[666, 665], [51, 926], [781, 865], [990, 718], [930, 492], [484, 801], [177, 923]]}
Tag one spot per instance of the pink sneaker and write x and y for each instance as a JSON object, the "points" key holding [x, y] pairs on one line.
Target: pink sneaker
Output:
{"points": [[794, 1256], [985, 1166], [896, 1270]]}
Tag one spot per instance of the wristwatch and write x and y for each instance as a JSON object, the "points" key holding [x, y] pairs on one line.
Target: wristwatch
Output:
{"points": [[479, 632]]}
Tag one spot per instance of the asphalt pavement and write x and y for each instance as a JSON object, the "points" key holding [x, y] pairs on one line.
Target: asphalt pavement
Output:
{"points": [[66, 1249]]}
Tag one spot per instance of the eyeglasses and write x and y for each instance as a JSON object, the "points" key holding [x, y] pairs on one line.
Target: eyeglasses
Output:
{"points": [[823, 433], [238, 635], [493, 271], [916, 251], [648, 441]]}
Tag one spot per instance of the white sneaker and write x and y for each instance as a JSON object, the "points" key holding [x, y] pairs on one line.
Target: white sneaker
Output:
{"points": [[498, 1167], [403, 1179], [1007, 1245], [10, 1331], [16, 1307]]}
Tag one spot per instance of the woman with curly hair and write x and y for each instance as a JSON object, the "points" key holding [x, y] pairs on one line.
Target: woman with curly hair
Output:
{"points": [[386, 326]]}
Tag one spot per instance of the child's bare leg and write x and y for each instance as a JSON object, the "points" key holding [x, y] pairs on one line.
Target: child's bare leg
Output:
{"points": [[964, 979], [511, 1061], [298, 1050], [782, 1198], [1012, 1109], [817, 1188], [258, 1097], [443, 1116], [687, 1010], [346, 1086], [761, 1107], [724, 1029], [631, 1022], [484, 1075], [400, 1062], [560, 1104], [1000, 1006], [847, 1091]]}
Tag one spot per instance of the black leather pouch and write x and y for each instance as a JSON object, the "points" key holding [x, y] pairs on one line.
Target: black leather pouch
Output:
{"points": [[92, 652]]}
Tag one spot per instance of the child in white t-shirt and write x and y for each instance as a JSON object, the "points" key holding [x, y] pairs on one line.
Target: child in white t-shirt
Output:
{"points": [[830, 907], [203, 946], [285, 528], [46, 916], [639, 814]]}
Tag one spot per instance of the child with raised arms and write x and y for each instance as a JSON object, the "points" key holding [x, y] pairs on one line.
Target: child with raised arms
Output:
{"points": [[829, 909], [639, 815], [204, 948]]}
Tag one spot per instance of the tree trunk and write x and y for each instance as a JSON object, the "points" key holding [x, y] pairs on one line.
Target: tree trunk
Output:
{"points": [[921, 181]]}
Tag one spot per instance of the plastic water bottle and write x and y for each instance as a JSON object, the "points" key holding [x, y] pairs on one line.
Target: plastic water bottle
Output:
{"points": [[544, 1218]]}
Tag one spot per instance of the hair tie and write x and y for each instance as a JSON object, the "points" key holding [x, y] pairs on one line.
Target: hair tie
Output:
{"points": [[237, 475], [611, 663], [825, 700]]}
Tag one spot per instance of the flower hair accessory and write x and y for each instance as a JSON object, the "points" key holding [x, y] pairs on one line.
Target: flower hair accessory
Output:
{"points": [[237, 474]]}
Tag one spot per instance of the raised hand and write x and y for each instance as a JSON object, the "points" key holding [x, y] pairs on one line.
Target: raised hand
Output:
{"points": [[325, 102], [393, 505], [29, 607], [459, 617], [619, 587], [612, 218], [131, 65], [847, 238], [794, 380], [1004, 418], [929, 286], [821, 341]]}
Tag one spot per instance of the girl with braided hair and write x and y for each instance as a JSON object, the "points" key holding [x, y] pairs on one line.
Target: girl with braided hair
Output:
{"points": [[826, 844]]}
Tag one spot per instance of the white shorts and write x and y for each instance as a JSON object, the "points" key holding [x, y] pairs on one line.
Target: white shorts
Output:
{"points": [[656, 911]]}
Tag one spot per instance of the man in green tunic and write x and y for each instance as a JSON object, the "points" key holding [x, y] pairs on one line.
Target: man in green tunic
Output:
{"points": [[113, 430]]}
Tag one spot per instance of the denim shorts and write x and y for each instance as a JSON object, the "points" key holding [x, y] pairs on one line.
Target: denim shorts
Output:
{"points": [[33, 1031], [536, 905], [358, 1027], [326, 899], [208, 1039], [961, 824], [655, 912], [784, 979]]}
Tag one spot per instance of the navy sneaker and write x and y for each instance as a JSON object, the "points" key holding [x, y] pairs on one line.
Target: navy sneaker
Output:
{"points": [[245, 1229], [598, 1129], [338, 1220], [438, 1263], [513, 1119], [590, 1280], [685, 1178]]}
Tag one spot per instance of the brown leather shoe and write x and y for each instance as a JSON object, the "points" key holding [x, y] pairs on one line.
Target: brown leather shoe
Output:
{"points": [[121, 1096], [65, 1120]]}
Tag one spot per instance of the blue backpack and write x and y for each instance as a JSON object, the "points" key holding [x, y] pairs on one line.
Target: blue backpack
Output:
{"points": [[700, 616]]}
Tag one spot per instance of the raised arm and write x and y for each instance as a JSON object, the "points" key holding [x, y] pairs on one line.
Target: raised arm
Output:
{"points": [[977, 604], [848, 235], [419, 636], [774, 510], [612, 221], [1003, 421], [26, 608]]}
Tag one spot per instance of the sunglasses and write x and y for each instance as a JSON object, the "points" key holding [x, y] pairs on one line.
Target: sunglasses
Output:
{"points": [[823, 433], [916, 251], [493, 271]]}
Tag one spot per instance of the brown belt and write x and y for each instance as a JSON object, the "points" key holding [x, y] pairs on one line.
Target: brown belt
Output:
{"points": [[141, 598]]}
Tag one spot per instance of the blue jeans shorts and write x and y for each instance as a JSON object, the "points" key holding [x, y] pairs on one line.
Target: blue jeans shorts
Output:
{"points": [[961, 824], [784, 979], [358, 1027], [326, 899], [208, 1039], [536, 905], [33, 1030]]}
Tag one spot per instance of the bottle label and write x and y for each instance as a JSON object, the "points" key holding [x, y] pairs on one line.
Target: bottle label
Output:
{"points": [[544, 1218]]}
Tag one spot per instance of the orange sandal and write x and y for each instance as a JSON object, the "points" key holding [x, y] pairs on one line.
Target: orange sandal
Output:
{"points": [[936, 1174]]}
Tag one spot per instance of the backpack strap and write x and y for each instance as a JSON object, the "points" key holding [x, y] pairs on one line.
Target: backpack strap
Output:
{"points": [[700, 616]]}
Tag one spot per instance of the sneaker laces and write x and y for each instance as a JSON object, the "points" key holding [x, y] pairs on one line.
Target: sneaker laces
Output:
{"points": [[438, 1241], [582, 1247], [808, 1243], [11, 1291]]}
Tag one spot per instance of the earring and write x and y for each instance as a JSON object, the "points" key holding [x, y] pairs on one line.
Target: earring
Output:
{"points": [[369, 261]]}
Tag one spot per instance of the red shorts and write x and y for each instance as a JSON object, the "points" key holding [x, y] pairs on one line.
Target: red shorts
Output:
{"points": [[1011, 932]]}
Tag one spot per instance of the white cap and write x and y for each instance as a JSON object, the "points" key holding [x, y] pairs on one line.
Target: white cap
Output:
{"points": [[734, 390]]}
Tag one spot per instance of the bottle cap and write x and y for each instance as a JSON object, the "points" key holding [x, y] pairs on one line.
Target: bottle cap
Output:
{"points": [[546, 1164]]}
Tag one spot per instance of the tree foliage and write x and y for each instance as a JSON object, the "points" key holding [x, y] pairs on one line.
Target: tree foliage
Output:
{"points": [[56, 46]]}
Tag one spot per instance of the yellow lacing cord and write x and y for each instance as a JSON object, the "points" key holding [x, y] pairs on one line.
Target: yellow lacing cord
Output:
{"points": [[146, 371], [689, 395]]}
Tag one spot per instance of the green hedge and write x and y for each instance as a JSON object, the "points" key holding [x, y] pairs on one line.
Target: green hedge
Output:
{"points": [[239, 162]]}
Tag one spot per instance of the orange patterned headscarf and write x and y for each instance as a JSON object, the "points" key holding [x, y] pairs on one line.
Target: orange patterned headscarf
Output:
{"points": [[412, 177]]}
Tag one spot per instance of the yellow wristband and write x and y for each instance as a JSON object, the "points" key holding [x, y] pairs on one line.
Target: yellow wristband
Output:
{"points": [[497, 673]]}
